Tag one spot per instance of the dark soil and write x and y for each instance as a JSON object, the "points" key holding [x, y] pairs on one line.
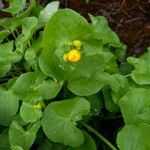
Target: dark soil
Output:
{"points": [[130, 19]]}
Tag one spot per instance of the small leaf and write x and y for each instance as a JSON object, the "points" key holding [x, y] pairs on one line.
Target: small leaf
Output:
{"points": [[96, 104], [9, 104], [59, 121], [19, 137], [135, 106], [141, 73], [7, 57], [48, 11], [15, 7], [29, 113], [110, 105], [133, 137], [4, 34], [104, 32], [88, 143], [28, 27]]}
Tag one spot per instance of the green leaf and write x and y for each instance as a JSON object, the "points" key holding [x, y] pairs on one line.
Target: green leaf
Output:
{"points": [[48, 11], [48, 145], [110, 61], [32, 87], [49, 89], [26, 86], [7, 57], [16, 148], [29, 113], [9, 104], [84, 81], [119, 86], [19, 137], [4, 34], [135, 106], [141, 73], [133, 137], [59, 121], [88, 143], [13, 23], [4, 69], [110, 105], [96, 104], [4, 141], [60, 39], [15, 7], [28, 27], [104, 32]]}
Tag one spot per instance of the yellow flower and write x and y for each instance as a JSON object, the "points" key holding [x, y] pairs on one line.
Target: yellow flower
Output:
{"points": [[77, 44], [72, 56]]}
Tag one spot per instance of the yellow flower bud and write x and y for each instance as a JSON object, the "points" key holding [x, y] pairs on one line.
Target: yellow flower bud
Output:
{"points": [[77, 44], [74, 55], [65, 57], [39, 106]]}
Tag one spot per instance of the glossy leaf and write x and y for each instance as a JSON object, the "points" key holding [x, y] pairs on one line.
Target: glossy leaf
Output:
{"points": [[59, 121]]}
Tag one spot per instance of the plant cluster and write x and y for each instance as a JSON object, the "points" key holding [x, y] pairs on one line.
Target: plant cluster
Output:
{"points": [[58, 71]]}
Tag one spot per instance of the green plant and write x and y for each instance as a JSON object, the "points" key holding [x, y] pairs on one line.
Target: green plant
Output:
{"points": [[57, 72]]}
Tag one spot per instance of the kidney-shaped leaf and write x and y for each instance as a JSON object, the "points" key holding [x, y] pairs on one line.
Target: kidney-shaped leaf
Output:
{"points": [[84, 80], [63, 28], [133, 137], [59, 121], [135, 106]]}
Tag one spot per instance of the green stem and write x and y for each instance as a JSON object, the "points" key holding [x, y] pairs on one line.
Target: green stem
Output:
{"points": [[13, 34], [100, 136]]}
